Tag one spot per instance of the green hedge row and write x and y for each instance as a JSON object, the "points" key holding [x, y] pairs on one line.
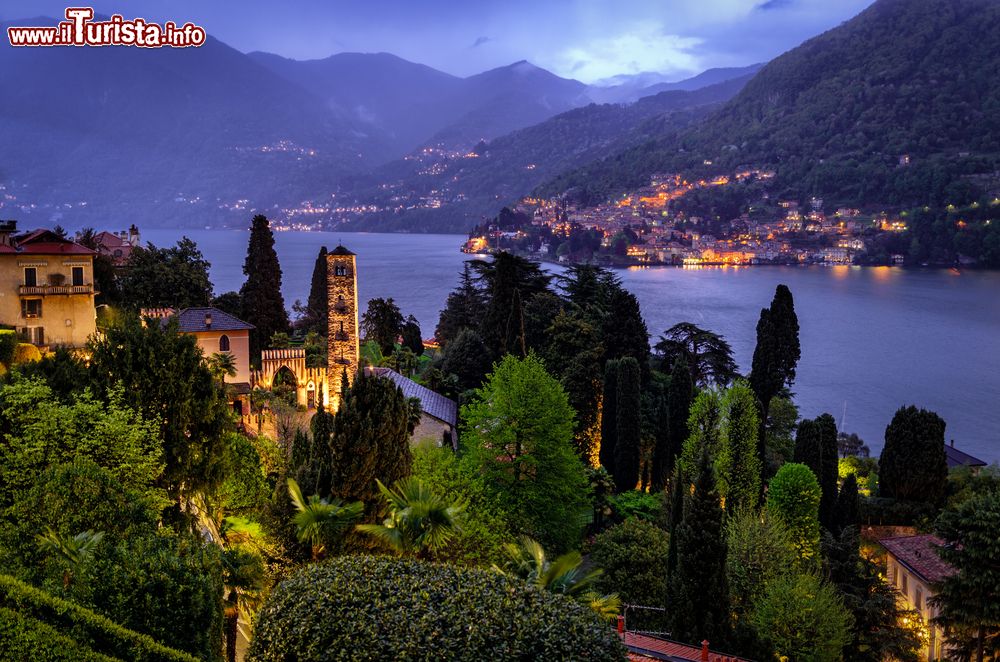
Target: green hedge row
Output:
{"points": [[379, 608], [35, 617]]}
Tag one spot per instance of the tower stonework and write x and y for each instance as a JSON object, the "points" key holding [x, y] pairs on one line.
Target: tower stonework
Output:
{"points": [[343, 350]]}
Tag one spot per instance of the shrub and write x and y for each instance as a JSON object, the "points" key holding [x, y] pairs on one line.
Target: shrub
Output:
{"points": [[376, 608], [26, 353], [635, 503], [633, 556], [8, 345], [36, 625], [245, 487]]}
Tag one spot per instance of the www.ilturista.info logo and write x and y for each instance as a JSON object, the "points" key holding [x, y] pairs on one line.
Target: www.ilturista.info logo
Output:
{"points": [[79, 29]]}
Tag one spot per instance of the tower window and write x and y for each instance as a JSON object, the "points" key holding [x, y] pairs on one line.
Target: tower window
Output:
{"points": [[340, 270], [341, 305], [224, 343]]}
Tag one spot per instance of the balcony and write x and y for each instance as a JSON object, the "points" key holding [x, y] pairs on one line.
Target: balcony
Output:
{"points": [[45, 290]]}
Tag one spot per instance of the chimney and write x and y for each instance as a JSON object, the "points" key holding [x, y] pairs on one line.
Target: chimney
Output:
{"points": [[7, 230], [704, 650], [208, 320], [621, 624], [952, 443]]}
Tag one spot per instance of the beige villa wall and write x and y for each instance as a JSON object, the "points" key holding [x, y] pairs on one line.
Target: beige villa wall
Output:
{"points": [[431, 429], [934, 647], [239, 347], [56, 308]]}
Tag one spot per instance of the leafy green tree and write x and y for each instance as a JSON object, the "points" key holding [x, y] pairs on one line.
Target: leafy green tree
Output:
{"points": [[382, 322], [758, 550], [174, 277], [793, 496], [412, 338], [105, 277], [467, 358], [707, 355], [698, 590], [527, 560], [967, 599], [633, 556], [320, 522], [776, 354], [629, 425], [160, 373], [245, 488], [463, 309], [371, 440], [782, 419], [705, 423], [518, 431], [485, 528], [740, 464], [228, 302], [912, 465], [419, 520], [802, 618], [261, 301], [609, 416]]}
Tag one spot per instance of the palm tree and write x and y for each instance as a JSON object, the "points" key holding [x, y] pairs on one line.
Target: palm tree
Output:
{"points": [[419, 520], [243, 580], [75, 551], [222, 365], [318, 520], [528, 561]]}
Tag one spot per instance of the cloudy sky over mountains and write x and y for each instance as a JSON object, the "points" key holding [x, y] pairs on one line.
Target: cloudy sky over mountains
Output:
{"points": [[584, 39]]}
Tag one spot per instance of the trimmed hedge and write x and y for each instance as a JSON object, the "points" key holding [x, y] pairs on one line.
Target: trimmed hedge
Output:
{"points": [[8, 344], [26, 353], [380, 608], [30, 618]]}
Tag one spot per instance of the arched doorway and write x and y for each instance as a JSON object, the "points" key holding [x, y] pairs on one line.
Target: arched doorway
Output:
{"points": [[284, 385], [311, 395]]}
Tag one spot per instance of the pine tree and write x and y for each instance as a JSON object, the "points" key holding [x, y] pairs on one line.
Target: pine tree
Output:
{"points": [[700, 609], [509, 282], [317, 311], [260, 297], [628, 427], [466, 357], [463, 309], [382, 322], [609, 417], [625, 332], [776, 355]]}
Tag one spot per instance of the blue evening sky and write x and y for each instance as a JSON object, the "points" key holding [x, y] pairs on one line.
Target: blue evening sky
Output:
{"points": [[584, 39]]}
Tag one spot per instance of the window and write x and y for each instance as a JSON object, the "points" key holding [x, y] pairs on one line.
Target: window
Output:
{"points": [[224, 343], [30, 277], [906, 588], [77, 276], [339, 271], [341, 305], [31, 308], [893, 573], [918, 600]]}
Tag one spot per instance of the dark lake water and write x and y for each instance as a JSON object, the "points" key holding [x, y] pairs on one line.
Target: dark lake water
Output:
{"points": [[872, 339]]}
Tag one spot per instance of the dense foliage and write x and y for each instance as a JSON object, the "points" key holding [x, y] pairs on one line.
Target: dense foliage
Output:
{"points": [[378, 608], [175, 277], [793, 497], [912, 465]]}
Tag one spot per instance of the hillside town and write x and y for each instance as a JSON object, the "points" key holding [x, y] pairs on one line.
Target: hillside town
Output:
{"points": [[651, 226]]}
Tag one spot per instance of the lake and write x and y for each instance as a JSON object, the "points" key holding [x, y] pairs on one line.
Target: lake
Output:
{"points": [[873, 339]]}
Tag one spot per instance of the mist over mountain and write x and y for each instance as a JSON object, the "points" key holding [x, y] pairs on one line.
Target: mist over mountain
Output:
{"points": [[898, 106], [630, 88]]}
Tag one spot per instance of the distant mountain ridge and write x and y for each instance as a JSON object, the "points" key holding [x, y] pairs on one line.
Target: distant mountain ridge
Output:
{"points": [[898, 106]]}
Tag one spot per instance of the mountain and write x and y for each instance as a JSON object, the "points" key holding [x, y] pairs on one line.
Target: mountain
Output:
{"points": [[464, 187], [629, 88], [414, 105], [163, 136], [900, 106]]}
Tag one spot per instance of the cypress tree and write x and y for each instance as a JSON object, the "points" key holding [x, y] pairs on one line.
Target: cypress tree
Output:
{"points": [[776, 354], [848, 504], [370, 440], [807, 446], [676, 516], [260, 297], [740, 463], [609, 417], [628, 426], [829, 474], [663, 459], [912, 465], [679, 396], [412, 338], [625, 332], [701, 605], [318, 304]]}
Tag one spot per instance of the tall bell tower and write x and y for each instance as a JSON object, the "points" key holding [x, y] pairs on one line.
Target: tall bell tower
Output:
{"points": [[342, 345]]}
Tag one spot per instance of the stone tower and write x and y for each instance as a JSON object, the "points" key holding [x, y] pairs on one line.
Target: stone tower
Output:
{"points": [[343, 351]]}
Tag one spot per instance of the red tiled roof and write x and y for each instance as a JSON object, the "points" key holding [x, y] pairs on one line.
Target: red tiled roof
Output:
{"points": [[643, 647], [919, 554], [47, 242]]}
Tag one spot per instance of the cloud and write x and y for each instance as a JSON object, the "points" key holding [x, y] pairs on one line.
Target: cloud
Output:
{"points": [[479, 42], [775, 4], [634, 50]]}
